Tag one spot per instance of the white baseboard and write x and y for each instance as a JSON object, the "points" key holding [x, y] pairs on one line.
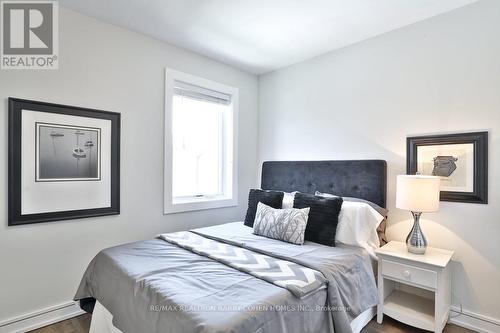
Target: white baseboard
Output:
{"points": [[41, 318], [474, 321], [54, 314]]}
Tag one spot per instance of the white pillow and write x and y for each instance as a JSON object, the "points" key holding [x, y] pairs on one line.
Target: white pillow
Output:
{"points": [[288, 198], [358, 223]]}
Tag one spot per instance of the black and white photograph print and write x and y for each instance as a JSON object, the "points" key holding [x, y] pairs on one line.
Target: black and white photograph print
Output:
{"points": [[64, 162], [459, 160], [454, 164], [67, 153]]}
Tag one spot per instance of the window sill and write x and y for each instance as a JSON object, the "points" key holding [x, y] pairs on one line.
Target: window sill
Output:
{"points": [[202, 203]]}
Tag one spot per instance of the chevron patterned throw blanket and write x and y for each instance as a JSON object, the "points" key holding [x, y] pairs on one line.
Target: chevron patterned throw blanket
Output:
{"points": [[299, 280]]}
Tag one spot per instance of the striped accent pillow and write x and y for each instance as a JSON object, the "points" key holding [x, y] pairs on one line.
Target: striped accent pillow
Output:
{"points": [[323, 217], [270, 198]]}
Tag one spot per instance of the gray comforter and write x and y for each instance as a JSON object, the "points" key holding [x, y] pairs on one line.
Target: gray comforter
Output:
{"points": [[155, 286]]}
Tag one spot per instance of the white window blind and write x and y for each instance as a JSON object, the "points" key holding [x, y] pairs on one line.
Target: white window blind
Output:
{"points": [[200, 93]]}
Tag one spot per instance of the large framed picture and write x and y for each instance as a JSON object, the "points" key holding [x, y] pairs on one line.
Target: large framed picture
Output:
{"points": [[64, 162], [461, 160]]}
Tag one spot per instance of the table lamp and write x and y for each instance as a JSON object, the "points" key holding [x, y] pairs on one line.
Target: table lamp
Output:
{"points": [[418, 194]]}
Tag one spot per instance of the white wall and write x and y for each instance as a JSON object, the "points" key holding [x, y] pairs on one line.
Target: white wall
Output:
{"points": [[437, 76], [105, 67]]}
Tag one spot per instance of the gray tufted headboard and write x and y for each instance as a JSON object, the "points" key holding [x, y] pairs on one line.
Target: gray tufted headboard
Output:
{"points": [[365, 179]]}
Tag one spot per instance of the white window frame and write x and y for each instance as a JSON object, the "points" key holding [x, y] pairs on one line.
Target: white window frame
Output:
{"points": [[198, 203]]}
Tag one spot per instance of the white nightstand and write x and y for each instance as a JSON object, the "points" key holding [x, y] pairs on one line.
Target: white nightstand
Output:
{"points": [[412, 288]]}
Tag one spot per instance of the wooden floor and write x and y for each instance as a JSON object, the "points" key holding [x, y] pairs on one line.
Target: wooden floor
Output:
{"points": [[392, 326], [81, 324]]}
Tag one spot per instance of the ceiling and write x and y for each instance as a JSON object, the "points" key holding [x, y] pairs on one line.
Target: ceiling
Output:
{"points": [[259, 36]]}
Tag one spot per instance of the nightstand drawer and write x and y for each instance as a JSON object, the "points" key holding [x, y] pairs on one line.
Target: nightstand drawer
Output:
{"points": [[411, 274]]}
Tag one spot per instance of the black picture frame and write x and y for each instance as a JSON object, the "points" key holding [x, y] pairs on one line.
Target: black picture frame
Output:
{"points": [[480, 141], [16, 107]]}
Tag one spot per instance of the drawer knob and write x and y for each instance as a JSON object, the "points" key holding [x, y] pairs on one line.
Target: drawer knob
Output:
{"points": [[406, 274]]}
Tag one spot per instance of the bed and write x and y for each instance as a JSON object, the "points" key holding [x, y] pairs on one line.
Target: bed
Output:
{"points": [[164, 285]]}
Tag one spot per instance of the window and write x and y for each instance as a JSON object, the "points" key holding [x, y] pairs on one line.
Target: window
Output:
{"points": [[200, 143]]}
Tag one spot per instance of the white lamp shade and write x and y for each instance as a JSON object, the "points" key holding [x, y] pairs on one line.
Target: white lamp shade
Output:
{"points": [[418, 193]]}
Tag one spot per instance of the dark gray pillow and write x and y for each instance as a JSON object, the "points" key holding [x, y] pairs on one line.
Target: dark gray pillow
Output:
{"points": [[380, 210], [273, 199], [323, 217]]}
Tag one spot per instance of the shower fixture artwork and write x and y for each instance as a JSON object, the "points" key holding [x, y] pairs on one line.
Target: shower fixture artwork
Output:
{"points": [[67, 153]]}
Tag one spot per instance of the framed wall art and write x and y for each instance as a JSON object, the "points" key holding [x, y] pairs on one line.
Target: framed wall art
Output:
{"points": [[64, 162], [461, 160]]}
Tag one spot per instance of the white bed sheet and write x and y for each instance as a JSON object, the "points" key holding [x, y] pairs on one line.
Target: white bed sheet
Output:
{"points": [[102, 320]]}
